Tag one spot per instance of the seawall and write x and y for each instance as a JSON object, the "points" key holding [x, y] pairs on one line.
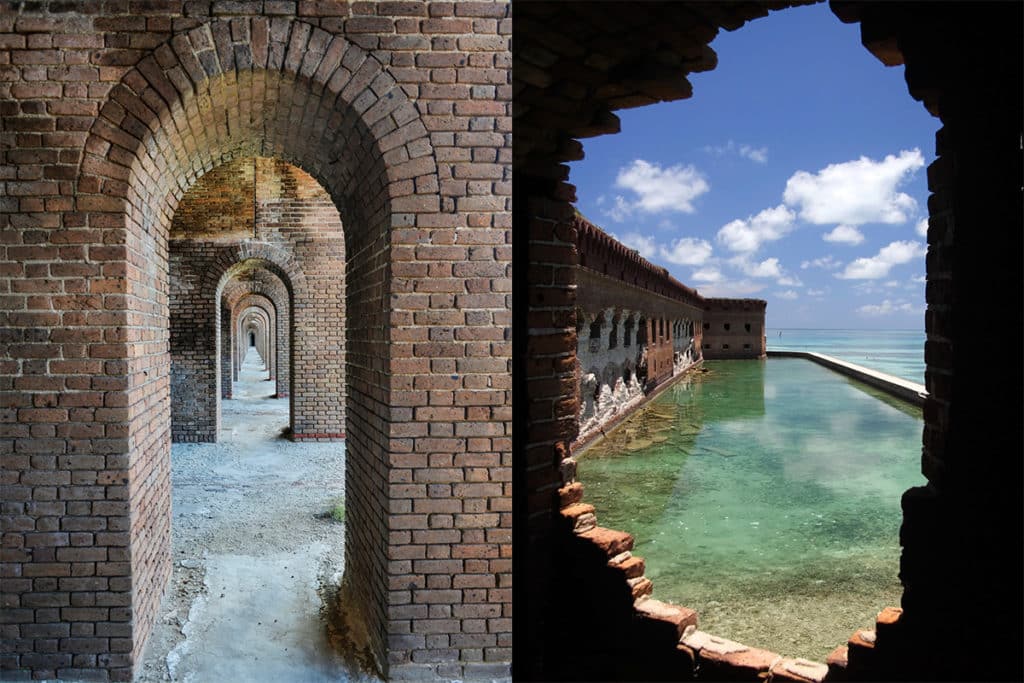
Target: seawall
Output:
{"points": [[906, 390]]}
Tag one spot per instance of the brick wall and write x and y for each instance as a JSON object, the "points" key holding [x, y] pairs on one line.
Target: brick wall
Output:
{"points": [[670, 326], [734, 328], [112, 112]]}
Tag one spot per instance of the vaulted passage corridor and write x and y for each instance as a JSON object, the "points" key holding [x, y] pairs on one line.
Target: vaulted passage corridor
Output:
{"points": [[251, 576]]}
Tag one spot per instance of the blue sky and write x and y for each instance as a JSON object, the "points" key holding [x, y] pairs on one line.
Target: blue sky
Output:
{"points": [[796, 173]]}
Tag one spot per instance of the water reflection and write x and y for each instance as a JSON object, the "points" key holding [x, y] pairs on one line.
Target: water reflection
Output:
{"points": [[776, 519]]}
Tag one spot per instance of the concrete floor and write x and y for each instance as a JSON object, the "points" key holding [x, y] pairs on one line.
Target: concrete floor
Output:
{"points": [[257, 563]]}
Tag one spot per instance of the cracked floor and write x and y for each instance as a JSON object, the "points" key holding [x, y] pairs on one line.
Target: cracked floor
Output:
{"points": [[255, 559]]}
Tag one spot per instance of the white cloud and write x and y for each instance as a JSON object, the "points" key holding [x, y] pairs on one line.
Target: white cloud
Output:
{"points": [[922, 227], [856, 192], [892, 283], [658, 189], [826, 262], [707, 275], [788, 294], [921, 279], [687, 251], [759, 154], [733, 288], [756, 154], [887, 307], [879, 265], [749, 234], [767, 268], [816, 292], [645, 245], [620, 211], [844, 234]]}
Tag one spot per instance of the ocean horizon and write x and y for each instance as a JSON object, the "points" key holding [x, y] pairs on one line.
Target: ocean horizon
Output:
{"points": [[896, 352]]}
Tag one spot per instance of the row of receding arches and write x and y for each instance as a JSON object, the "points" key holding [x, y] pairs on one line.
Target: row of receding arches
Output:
{"points": [[175, 120]]}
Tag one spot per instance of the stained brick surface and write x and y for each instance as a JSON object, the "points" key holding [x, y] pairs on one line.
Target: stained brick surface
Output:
{"points": [[112, 112]]}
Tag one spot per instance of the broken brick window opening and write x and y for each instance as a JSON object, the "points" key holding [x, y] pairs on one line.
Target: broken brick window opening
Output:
{"points": [[562, 98]]}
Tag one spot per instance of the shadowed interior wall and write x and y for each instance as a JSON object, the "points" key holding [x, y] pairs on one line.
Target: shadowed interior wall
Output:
{"points": [[961, 534]]}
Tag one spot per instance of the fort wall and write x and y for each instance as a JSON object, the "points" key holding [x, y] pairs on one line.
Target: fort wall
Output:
{"points": [[637, 327]]}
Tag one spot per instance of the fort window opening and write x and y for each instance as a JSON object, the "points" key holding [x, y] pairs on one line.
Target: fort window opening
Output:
{"points": [[595, 334], [639, 95]]}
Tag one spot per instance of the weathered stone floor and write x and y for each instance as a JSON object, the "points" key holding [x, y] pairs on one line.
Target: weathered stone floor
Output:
{"points": [[255, 562]]}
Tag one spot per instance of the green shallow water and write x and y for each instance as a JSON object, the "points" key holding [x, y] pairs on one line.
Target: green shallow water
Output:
{"points": [[765, 495]]}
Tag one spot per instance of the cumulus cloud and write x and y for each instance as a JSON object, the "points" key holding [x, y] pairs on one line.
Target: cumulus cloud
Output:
{"points": [[879, 265], [768, 268], [620, 210], [657, 189], [646, 245], [749, 234], [788, 294], [816, 292], [756, 154], [825, 262], [687, 251], [887, 307], [844, 234], [856, 192], [922, 227], [707, 275]]}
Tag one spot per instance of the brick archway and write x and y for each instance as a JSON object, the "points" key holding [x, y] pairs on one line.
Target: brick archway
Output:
{"points": [[200, 335], [261, 309], [401, 112], [278, 317], [273, 87]]}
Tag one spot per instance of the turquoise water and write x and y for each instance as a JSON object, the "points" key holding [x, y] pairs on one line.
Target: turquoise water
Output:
{"points": [[765, 495], [897, 352]]}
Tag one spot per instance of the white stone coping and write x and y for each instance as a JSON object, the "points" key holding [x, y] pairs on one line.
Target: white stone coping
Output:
{"points": [[904, 389]]}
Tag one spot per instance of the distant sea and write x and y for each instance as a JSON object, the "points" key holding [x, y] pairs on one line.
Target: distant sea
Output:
{"points": [[897, 352]]}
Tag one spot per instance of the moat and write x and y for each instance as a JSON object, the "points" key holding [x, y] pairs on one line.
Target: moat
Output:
{"points": [[765, 495]]}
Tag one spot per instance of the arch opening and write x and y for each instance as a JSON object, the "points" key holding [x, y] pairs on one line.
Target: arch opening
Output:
{"points": [[168, 123], [547, 136]]}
